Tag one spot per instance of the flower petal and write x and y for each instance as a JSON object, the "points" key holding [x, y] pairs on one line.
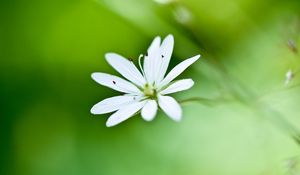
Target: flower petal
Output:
{"points": [[170, 106], [149, 110], [126, 68], [177, 70], [166, 50], [177, 86], [115, 83], [154, 46], [112, 104], [152, 61], [124, 113]]}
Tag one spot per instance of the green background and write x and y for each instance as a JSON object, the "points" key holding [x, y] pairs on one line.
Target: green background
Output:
{"points": [[49, 48]]}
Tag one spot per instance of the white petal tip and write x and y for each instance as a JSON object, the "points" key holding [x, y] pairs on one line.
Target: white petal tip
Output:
{"points": [[93, 75], [157, 38], [109, 123], [149, 111], [148, 120], [108, 56], [92, 111], [170, 36], [194, 58], [190, 81], [197, 57], [169, 39], [178, 120]]}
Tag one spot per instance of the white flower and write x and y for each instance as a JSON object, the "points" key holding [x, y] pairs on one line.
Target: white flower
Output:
{"points": [[144, 90]]}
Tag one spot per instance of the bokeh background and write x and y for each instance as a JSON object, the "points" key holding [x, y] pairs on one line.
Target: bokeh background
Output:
{"points": [[244, 122]]}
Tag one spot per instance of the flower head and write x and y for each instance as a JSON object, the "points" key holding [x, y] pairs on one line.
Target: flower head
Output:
{"points": [[145, 89]]}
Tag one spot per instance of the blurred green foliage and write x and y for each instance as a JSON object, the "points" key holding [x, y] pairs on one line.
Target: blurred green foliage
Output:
{"points": [[49, 48]]}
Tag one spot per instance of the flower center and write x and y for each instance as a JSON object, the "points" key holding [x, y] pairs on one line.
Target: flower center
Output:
{"points": [[150, 91]]}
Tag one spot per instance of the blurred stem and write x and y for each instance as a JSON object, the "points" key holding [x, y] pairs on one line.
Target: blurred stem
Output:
{"points": [[242, 94], [205, 101], [279, 120], [250, 100]]}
